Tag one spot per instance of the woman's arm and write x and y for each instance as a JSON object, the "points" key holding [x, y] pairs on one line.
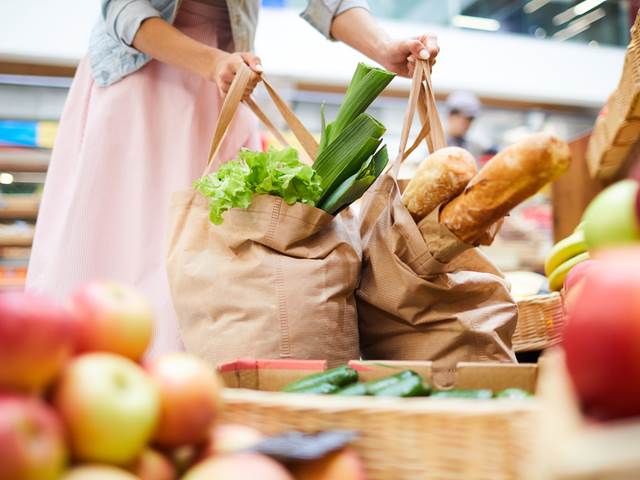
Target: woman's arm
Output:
{"points": [[167, 44], [357, 28]]}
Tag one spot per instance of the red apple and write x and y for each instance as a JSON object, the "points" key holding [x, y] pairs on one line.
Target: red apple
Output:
{"points": [[342, 465], [638, 201], [36, 339], [98, 472], [230, 438], [575, 280], [31, 440], [112, 318], [152, 465], [189, 398], [110, 407], [602, 336], [241, 466]]}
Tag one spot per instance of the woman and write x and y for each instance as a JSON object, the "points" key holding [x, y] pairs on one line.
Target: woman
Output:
{"points": [[133, 131]]}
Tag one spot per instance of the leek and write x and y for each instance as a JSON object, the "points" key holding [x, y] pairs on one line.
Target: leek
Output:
{"points": [[349, 155], [366, 84], [344, 156], [356, 185]]}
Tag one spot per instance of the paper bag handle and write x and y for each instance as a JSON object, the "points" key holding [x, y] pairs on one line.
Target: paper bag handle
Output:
{"points": [[231, 103], [421, 98]]}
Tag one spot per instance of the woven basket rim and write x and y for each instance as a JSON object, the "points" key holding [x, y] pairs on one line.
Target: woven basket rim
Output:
{"points": [[409, 406], [542, 297]]}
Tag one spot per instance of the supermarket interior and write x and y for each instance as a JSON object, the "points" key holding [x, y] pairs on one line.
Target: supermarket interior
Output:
{"points": [[407, 198]]}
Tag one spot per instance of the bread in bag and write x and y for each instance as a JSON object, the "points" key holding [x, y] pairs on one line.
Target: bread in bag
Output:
{"points": [[509, 178], [442, 176]]}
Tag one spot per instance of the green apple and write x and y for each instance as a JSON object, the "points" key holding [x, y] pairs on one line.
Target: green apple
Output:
{"points": [[110, 407], [610, 219]]}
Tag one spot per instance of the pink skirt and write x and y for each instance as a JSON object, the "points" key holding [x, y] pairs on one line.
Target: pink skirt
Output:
{"points": [[120, 153]]}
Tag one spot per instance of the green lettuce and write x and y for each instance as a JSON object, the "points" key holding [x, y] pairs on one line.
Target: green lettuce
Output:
{"points": [[276, 172]]}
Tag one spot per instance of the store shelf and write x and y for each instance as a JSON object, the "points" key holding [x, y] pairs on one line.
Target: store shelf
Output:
{"points": [[19, 207], [13, 213], [15, 241], [24, 160]]}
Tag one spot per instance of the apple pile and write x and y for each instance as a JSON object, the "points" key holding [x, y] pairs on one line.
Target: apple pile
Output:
{"points": [[602, 333], [78, 402]]}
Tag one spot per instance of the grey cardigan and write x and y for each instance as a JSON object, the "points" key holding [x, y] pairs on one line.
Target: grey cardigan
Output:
{"points": [[112, 57]]}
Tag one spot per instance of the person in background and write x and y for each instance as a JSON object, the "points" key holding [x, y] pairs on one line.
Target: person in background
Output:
{"points": [[137, 127], [462, 108]]}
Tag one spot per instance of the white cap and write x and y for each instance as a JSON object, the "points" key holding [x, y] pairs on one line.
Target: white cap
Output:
{"points": [[464, 102]]}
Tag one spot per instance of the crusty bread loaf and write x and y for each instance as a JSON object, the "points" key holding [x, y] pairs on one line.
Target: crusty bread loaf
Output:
{"points": [[507, 179], [441, 177]]}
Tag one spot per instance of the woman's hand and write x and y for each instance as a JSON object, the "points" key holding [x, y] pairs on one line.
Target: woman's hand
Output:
{"points": [[226, 65], [399, 55], [357, 28], [165, 43]]}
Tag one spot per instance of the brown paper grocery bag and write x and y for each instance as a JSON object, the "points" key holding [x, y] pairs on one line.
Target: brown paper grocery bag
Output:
{"points": [[274, 280], [424, 294]]}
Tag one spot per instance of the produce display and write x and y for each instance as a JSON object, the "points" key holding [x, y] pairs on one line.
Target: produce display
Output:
{"points": [[78, 401], [349, 159], [609, 221], [343, 381]]}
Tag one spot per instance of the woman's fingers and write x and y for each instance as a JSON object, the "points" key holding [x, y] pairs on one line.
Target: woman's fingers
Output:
{"points": [[253, 61], [417, 49], [433, 48], [229, 70]]}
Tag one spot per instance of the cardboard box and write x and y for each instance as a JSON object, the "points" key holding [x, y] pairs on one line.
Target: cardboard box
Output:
{"points": [[273, 375], [267, 375]]}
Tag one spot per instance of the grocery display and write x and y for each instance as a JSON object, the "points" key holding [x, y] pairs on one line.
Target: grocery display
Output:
{"points": [[394, 268], [96, 413]]}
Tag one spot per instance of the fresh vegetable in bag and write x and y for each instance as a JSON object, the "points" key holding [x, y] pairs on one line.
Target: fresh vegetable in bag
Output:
{"points": [[275, 172]]}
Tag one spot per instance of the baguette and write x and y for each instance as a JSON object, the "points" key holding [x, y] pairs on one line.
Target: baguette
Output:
{"points": [[506, 180], [441, 177]]}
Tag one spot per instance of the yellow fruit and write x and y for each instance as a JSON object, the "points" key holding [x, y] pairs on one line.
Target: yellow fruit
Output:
{"points": [[557, 277], [564, 250]]}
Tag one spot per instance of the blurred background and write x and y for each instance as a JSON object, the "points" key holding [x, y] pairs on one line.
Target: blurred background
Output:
{"points": [[515, 67]]}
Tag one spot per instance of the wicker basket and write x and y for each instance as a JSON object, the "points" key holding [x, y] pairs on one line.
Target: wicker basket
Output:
{"points": [[540, 322], [406, 439]]}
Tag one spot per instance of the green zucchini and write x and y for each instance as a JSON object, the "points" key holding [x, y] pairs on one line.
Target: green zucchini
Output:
{"points": [[513, 393], [353, 390], [482, 394], [340, 377], [320, 388], [375, 386], [410, 386]]}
